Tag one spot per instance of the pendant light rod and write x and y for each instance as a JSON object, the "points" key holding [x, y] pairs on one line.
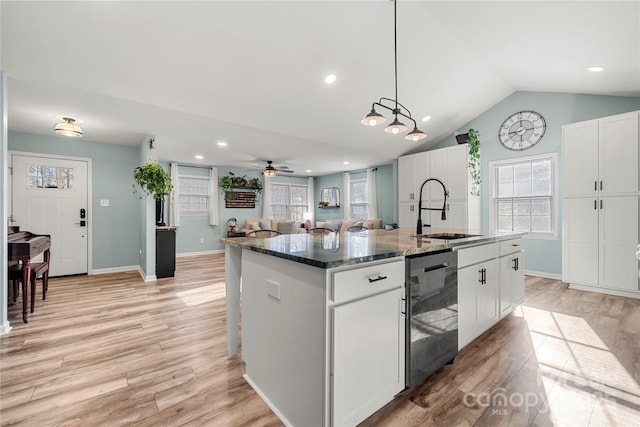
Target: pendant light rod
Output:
{"points": [[374, 118]]}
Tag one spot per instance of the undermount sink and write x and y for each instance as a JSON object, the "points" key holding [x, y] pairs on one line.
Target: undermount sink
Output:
{"points": [[448, 236]]}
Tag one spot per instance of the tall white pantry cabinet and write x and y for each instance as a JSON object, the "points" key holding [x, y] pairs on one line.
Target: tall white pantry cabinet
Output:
{"points": [[449, 165], [600, 199]]}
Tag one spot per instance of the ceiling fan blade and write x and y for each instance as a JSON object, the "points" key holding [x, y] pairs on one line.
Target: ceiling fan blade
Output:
{"points": [[284, 170]]}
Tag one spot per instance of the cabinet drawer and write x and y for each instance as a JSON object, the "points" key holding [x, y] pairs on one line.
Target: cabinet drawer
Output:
{"points": [[360, 282], [476, 254], [511, 246]]}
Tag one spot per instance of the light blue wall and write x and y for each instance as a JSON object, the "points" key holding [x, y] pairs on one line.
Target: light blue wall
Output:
{"points": [[386, 183], [116, 229], [558, 109]]}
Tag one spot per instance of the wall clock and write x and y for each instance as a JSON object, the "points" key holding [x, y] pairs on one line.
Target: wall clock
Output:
{"points": [[522, 130]]}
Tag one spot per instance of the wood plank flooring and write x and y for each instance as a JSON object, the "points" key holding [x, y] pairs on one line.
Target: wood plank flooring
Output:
{"points": [[111, 350]]}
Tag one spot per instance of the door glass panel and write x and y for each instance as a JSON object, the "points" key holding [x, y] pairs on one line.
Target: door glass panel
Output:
{"points": [[50, 177]]}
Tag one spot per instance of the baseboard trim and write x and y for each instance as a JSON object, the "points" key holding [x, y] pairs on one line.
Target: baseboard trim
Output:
{"points": [[607, 291], [543, 274], [5, 328], [150, 278], [186, 254], [114, 270], [267, 401]]}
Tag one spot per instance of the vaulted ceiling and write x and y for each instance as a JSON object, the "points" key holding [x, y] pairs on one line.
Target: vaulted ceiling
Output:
{"points": [[252, 73]]}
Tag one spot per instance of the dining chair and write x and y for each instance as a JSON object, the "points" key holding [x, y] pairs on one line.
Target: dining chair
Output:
{"points": [[263, 233]]}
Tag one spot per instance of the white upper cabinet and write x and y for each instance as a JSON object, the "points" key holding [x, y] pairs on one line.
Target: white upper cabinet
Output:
{"points": [[618, 149], [406, 190], [600, 157]]}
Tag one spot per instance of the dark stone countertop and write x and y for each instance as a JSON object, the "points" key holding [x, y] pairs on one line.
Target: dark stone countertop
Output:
{"points": [[336, 249]]}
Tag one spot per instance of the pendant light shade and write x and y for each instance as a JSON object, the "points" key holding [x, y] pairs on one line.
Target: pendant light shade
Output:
{"points": [[373, 119], [67, 127], [415, 135], [395, 127]]}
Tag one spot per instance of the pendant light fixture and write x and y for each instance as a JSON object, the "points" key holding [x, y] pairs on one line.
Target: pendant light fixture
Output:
{"points": [[397, 109], [68, 127]]}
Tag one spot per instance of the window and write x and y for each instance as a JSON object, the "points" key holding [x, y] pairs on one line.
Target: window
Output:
{"points": [[41, 176], [194, 195], [524, 195], [288, 202], [359, 206]]}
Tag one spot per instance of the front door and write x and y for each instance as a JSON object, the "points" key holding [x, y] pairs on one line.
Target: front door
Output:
{"points": [[50, 196]]}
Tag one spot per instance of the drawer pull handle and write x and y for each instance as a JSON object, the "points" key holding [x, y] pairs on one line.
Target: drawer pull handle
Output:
{"points": [[376, 279], [516, 244]]}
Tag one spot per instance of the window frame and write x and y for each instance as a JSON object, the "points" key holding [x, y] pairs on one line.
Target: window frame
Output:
{"points": [[352, 203], [493, 199], [289, 205], [180, 194]]}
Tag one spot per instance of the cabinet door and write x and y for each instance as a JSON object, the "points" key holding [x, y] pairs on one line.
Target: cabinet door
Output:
{"points": [[618, 148], [580, 159], [618, 232], [518, 280], [488, 313], [407, 215], [458, 177], [507, 267], [367, 369], [467, 309], [580, 241], [421, 172], [406, 190]]}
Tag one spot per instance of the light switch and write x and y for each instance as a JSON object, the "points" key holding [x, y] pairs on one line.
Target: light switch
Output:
{"points": [[104, 202]]}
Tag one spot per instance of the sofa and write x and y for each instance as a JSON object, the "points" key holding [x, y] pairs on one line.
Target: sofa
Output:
{"points": [[342, 225], [284, 227]]}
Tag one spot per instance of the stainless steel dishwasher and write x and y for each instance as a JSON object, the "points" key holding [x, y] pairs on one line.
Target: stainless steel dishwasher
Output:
{"points": [[432, 314]]}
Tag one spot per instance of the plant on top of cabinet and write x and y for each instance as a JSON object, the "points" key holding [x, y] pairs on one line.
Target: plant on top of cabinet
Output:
{"points": [[474, 161], [153, 180]]}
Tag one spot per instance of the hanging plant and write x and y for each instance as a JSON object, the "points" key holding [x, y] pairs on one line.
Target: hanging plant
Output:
{"points": [[474, 161], [152, 180]]}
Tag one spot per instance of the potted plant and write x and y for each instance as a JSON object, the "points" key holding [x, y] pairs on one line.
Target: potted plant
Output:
{"points": [[231, 181], [153, 180], [474, 161]]}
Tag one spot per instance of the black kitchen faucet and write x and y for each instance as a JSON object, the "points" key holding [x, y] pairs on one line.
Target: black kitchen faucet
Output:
{"points": [[420, 208]]}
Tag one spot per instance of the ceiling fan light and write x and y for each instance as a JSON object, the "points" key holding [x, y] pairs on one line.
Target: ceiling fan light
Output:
{"points": [[395, 127], [67, 127], [269, 171], [415, 135], [373, 119]]}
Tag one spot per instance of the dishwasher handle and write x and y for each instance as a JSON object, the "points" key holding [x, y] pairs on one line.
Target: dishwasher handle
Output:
{"points": [[436, 267]]}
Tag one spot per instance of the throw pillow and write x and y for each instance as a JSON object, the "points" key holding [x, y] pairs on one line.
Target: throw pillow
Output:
{"points": [[265, 225], [287, 227], [252, 224], [372, 224]]}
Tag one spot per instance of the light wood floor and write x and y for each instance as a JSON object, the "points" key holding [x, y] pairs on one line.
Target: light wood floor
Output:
{"points": [[112, 350]]}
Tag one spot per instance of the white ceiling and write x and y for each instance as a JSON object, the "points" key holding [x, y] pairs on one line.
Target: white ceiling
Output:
{"points": [[251, 73]]}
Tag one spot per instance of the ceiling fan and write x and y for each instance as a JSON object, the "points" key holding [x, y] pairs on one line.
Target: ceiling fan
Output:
{"points": [[270, 170]]}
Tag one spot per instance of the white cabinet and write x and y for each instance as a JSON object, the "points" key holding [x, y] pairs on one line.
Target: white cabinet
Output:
{"points": [[478, 291], [367, 325], [368, 356], [511, 264], [600, 204], [407, 214], [406, 188], [600, 157]]}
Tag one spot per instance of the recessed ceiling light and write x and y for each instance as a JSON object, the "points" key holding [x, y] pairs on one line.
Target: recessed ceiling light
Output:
{"points": [[199, 156], [345, 163], [308, 171], [595, 69], [426, 118], [222, 144], [330, 78]]}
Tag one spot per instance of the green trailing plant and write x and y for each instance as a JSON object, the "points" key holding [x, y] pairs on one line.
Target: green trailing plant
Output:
{"points": [[152, 180], [474, 161]]}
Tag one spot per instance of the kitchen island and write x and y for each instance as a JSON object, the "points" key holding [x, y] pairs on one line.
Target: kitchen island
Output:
{"points": [[323, 317]]}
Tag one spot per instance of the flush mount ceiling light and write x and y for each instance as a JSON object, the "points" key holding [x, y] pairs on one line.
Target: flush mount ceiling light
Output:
{"points": [[68, 127], [397, 109]]}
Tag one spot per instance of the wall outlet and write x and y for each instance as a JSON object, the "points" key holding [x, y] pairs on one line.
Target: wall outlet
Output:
{"points": [[202, 240]]}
